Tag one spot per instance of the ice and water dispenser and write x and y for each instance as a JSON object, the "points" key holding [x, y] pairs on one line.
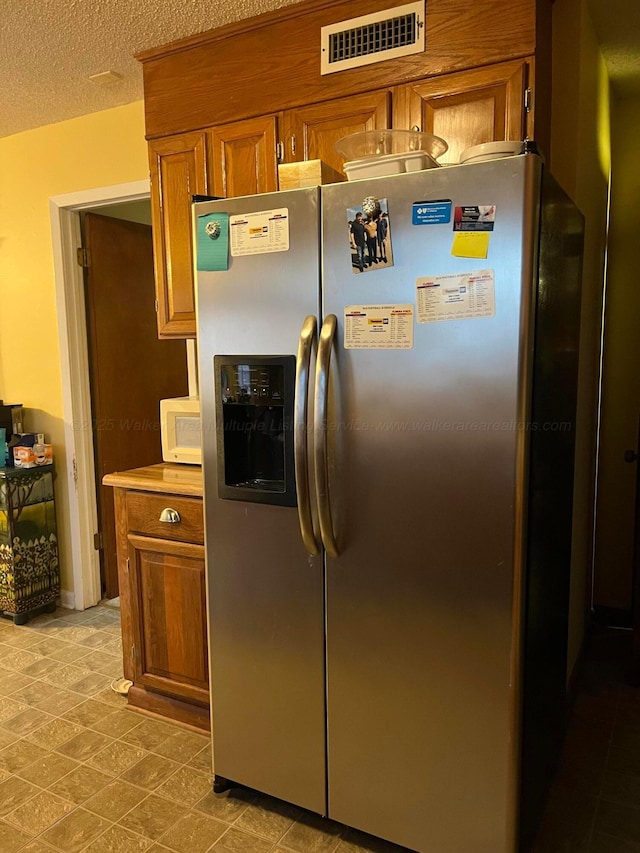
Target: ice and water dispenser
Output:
{"points": [[255, 396]]}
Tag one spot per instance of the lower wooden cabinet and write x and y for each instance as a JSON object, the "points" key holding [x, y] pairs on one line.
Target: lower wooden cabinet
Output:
{"points": [[162, 595]]}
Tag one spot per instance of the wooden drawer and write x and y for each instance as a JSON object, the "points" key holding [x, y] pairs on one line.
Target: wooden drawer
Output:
{"points": [[144, 510]]}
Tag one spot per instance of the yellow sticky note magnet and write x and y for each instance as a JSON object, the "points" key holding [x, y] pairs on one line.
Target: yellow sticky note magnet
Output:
{"points": [[470, 244]]}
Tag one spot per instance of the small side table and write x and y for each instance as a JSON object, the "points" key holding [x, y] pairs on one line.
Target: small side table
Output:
{"points": [[29, 564]]}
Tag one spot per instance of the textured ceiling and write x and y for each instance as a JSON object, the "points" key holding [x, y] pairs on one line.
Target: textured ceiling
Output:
{"points": [[48, 49], [617, 25]]}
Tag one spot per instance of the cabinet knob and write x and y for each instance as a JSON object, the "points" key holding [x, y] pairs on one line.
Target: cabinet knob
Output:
{"points": [[169, 516]]}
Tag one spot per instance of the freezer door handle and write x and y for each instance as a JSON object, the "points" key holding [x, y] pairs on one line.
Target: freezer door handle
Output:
{"points": [[321, 462], [306, 346]]}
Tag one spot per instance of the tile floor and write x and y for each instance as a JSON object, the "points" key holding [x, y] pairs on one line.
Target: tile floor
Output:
{"points": [[80, 772]]}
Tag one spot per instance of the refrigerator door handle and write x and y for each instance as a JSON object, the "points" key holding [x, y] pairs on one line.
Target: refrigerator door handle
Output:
{"points": [[321, 463], [306, 346]]}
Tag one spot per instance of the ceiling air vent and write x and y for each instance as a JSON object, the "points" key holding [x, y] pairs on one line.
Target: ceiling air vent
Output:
{"points": [[372, 38]]}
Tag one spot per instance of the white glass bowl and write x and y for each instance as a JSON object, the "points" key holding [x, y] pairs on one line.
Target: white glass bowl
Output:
{"points": [[491, 151], [371, 143]]}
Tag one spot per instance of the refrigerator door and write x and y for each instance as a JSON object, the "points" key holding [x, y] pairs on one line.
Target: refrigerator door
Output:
{"points": [[265, 592], [426, 473]]}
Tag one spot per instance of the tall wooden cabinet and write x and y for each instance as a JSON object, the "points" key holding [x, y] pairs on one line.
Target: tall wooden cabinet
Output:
{"points": [[160, 530], [179, 169], [216, 127]]}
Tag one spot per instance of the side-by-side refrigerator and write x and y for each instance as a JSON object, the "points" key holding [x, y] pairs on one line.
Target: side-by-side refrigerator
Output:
{"points": [[388, 443]]}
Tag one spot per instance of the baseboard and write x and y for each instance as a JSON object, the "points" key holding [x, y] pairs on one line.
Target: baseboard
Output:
{"points": [[67, 599]]}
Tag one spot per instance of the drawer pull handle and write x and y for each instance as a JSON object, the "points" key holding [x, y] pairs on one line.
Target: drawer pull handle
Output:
{"points": [[169, 516]]}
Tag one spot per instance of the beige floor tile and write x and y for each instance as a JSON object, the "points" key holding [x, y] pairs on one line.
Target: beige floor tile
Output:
{"points": [[91, 684], [114, 801], [47, 770], [119, 840], [187, 786], [42, 667], [26, 722], [85, 745], [116, 757], [7, 738], [53, 734], [268, 818], [151, 771], [117, 723], [95, 659], [236, 841], [182, 746], [11, 839], [17, 659], [77, 633], [80, 784], [68, 654], [113, 669], [203, 760], [87, 713], [313, 834], [66, 676], [32, 694], [153, 817], [11, 682], [39, 813], [48, 646], [149, 735], [20, 638], [76, 831], [13, 793], [110, 697], [64, 701], [98, 640], [19, 754], [193, 833], [9, 707], [36, 846], [227, 807]]}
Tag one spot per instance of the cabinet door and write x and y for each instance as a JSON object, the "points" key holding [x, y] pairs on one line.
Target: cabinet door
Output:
{"points": [[244, 157], [310, 132], [468, 107], [167, 586], [178, 171]]}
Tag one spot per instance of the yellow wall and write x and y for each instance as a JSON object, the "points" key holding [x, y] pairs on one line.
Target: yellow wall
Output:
{"points": [[92, 151], [580, 160], [615, 524]]}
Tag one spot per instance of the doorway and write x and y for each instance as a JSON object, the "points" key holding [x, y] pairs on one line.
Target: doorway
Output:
{"points": [[130, 369]]}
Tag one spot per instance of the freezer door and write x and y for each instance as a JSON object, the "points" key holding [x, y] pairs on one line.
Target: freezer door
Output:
{"points": [[426, 485], [265, 592]]}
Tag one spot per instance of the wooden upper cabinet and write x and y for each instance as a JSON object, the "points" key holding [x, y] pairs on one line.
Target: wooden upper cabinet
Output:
{"points": [[469, 107], [244, 157], [310, 132], [178, 167]]}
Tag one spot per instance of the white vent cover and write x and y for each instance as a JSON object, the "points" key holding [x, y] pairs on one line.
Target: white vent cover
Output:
{"points": [[372, 38]]}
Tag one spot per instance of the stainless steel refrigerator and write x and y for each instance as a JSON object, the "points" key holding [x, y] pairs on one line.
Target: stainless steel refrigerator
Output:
{"points": [[388, 469]]}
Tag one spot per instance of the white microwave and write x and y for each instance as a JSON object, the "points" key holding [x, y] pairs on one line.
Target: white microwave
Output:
{"points": [[181, 430]]}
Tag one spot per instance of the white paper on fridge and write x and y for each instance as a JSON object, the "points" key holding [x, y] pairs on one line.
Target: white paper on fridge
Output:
{"points": [[458, 296], [378, 327], [259, 233]]}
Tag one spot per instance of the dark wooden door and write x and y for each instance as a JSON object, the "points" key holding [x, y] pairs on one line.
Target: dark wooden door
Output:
{"points": [[130, 370]]}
